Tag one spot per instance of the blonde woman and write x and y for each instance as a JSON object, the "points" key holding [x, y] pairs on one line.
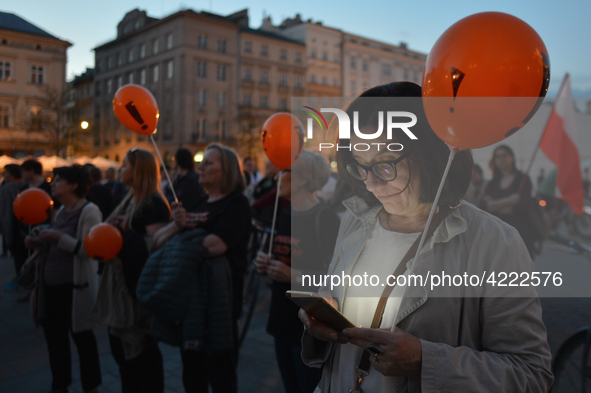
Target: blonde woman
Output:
{"points": [[225, 215], [143, 211]]}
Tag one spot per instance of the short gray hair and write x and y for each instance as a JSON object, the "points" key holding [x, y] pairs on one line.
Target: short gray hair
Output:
{"points": [[313, 168]]}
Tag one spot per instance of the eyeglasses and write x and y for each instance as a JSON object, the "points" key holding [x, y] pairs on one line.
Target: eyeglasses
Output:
{"points": [[384, 170]]}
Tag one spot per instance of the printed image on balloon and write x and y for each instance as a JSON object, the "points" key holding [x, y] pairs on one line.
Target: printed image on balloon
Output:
{"points": [[136, 108], [484, 79], [33, 206], [283, 139], [103, 242]]}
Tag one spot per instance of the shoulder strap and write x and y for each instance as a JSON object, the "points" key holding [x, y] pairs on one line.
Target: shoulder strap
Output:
{"points": [[363, 367]]}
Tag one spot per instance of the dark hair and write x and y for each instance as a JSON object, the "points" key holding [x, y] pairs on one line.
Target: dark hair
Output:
{"points": [[95, 174], [429, 154], [32, 165], [497, 173], [15, 170], [477, 168], [75, 174], [184, 159]]}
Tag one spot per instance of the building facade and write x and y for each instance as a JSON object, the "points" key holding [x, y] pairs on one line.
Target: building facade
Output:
{"points": [[32, 89]]}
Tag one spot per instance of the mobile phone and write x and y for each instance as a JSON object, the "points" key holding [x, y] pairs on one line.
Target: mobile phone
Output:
{"points": [[319, 309]]}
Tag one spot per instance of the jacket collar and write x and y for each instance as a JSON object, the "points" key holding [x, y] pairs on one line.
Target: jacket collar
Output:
{"points": [[453, 225]]}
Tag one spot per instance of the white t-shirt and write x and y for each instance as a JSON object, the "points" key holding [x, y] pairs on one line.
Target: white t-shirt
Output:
{"points": [[381, 255]]}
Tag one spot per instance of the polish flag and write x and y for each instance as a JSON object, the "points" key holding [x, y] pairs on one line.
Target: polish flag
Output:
{"points": [[559, 143]]}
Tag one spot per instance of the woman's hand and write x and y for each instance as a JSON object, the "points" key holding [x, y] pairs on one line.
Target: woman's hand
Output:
{"points": [[261, 262], [33, 242], [179, 214], [402, 351], [279, 271], [320, 330], [51, 235]]}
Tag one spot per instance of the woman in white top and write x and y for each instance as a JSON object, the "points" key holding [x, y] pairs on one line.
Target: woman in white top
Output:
{"points": [[431, 338]]}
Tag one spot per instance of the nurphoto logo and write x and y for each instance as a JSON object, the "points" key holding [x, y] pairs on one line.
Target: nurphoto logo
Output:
{"points": [[393, 121]]}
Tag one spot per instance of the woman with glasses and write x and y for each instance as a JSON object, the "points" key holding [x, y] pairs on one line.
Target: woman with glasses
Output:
{"points": [[67, 283], [508, 194], [306, 250], [142, 212], [225, 216], [421, 337]]}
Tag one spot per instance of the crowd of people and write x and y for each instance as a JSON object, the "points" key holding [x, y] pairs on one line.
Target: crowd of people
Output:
{"points": [[427, 341]]}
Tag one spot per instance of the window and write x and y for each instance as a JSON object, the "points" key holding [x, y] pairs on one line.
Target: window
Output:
{"points": [[222, 129], [36, 118], [109, 86], [221, 100], [283, 54], [36, 74], [313, 78], [405, 74], [416, 76], [169, 41], [264, 76], [325, 56], [313, 53], [335, 82], [283, 104], [130, 56], [155, 47], [222, 46], [365, 65], [221, 72], [5, 71], [353, 62], [201, 128], [264, 50], [142, 51], [202, 41], [324, 80], [97, 89], [386, 69], [119, 81], [201, 69], [264, 102], [247, 100], [202, 97], [4, 116], [298, 57], [282, 79], [120, 58], [248, 47], [130, 78], [143, 77], [298, 82], [353, 85], [248, 73], [335, 59], [155, 73], [169, 69], [110, 62]]}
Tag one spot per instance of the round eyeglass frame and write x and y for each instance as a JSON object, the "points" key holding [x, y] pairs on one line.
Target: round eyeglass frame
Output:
{"points": [[355, 169]]}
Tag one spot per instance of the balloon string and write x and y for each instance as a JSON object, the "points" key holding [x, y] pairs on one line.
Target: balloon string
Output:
{"points": [[452, 154], [274, 214], [164, 168]]}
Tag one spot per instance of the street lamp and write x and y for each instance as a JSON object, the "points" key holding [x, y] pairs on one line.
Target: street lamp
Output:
{"points": [[84, 125]]}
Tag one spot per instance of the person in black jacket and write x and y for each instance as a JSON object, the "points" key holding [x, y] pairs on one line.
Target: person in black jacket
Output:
{"points": [[186, 184]]}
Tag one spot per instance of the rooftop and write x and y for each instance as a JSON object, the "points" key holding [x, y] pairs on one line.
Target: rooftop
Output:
{"points": [[14, 22]]}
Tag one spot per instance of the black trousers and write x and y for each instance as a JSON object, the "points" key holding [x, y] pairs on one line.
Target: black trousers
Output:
{"points": [[19, 252], [202, 369], [57, 326], [142, 374], [296, 376]]}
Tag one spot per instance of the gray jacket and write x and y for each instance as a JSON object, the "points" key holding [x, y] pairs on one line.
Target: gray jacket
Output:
{"points": [[484, 339]]}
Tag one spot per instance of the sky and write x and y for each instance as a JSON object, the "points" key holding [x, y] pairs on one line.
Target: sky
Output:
{"points": [[563, 25]]}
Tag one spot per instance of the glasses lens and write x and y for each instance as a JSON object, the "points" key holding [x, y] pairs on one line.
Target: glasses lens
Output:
{"points": [[384, 171], [357, 172]]}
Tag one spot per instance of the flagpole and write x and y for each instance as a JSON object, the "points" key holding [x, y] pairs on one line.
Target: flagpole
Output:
{"points": [[531, 162]]}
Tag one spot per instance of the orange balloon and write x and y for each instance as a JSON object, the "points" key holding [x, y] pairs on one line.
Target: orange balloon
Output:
{"points": [[136, 108], [283, 139], [496, 57], [103, 242], [33, 206]]}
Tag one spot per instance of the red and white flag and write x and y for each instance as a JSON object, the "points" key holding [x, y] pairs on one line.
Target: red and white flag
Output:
{"points": [[559, 143]]}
